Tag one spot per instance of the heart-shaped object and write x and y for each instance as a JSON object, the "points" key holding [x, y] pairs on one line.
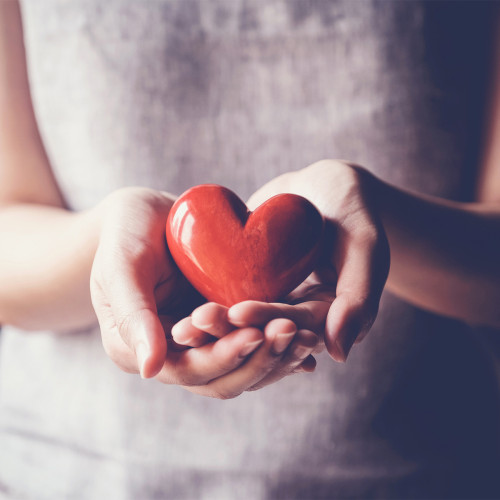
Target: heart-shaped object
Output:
{"points": [[230, 254]]}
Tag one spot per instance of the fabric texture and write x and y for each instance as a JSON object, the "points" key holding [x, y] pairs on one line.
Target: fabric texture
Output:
{"points": [[173, 93]]}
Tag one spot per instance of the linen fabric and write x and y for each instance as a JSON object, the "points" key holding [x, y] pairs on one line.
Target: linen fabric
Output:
{"points": [[173, 93]]}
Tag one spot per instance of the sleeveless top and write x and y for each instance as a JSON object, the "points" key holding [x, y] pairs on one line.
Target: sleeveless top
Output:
{"points": [[173, 93]]}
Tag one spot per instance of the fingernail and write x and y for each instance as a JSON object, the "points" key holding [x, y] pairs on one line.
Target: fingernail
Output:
{"points": [[282, 341], [141, 352], [233, 318], [345, 349], [188, 341], [340, 356], [250, 347], [235, 321], [238, 323], [203, 327], [199, 324]]}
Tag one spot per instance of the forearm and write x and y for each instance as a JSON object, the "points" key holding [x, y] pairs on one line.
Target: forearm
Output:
{"points": [[46, 256], [444, 255], [45, 252]]}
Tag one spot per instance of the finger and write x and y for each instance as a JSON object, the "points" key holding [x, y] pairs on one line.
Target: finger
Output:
{"points": [[129, 292], [282, 331], [212, 318], [184, 333], [307, 366], [259, 365], [298, 351], [309, 315], [302, 346], [362, 275], [198, 366]]}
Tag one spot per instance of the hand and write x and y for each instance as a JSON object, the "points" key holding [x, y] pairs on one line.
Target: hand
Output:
{"points": [[281, 350], [286, 349], [356, 251], [292, 333], [138, 294], [135, 286]]}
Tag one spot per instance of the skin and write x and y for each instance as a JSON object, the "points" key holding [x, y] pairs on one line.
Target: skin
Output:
{"points": [[49, 255]]}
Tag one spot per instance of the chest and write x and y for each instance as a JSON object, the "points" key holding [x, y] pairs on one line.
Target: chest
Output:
{"points": [[170, 94]]}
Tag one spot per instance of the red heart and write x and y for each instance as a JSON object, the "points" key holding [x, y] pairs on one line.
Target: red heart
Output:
{"points": [[230, 254]]}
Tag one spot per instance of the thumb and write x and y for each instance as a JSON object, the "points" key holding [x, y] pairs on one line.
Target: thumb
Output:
{"points": [[362, 275], [142, 331], [131, 297], [348, 319]]}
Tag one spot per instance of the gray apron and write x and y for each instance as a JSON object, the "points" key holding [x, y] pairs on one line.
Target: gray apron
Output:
{"points": [[172, 93]]}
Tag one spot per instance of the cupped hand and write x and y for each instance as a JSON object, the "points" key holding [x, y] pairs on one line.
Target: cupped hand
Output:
{"points": [[138, 294], [136, 289], [355, 252], [292, 331], [281, 349]]}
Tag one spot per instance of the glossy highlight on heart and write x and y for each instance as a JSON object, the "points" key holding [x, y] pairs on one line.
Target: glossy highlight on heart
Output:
{"points": [[230, 254]]}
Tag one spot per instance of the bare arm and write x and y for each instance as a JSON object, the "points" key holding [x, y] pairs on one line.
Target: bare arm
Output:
{"points": [[46, 251], [444, 255]]}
